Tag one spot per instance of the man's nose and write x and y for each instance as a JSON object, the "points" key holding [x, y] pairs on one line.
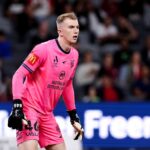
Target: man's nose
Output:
{"points": [[76, 31]]}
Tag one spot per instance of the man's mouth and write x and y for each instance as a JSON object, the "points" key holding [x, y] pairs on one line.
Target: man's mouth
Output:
{"points": [[75, 37]]}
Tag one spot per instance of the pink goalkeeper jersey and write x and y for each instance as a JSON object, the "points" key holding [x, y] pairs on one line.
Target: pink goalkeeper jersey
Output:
{"points": [[44, 76]]}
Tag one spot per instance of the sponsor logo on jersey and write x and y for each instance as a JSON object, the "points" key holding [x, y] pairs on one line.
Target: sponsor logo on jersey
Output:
{"points": [[32, 59], [57, 85], [62, 75]]}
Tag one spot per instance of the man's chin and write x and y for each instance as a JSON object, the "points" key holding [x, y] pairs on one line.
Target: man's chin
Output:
{"points": [[73, 41]]}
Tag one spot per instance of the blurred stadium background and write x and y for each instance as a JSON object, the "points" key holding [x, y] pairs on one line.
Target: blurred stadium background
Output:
{"points": [[112, 82]]}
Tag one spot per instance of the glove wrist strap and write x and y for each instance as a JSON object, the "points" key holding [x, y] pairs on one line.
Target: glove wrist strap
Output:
{"points": [[73, 116], [17, 103]]}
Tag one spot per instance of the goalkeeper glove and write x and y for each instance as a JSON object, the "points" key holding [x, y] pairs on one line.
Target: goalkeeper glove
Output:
{"points": [[75, 121], [17, 116]]}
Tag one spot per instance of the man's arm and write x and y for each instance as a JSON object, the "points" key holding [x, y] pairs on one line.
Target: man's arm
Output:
{"points": [[17, 117], [18, 81], [31, 63], [69, 99], [68, 96]]}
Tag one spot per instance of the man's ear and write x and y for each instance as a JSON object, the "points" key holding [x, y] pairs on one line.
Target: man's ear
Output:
{"points": [[59, 31]]}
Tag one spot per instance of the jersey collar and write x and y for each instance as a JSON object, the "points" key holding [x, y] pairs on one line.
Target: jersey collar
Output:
{"points": [[61, 48]]}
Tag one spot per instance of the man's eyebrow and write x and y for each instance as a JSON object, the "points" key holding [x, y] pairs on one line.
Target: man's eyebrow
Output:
{"points": [[74, 26], [71, 26]]}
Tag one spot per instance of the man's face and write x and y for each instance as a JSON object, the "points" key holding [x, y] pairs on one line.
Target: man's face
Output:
{"points": [[69, 30]]}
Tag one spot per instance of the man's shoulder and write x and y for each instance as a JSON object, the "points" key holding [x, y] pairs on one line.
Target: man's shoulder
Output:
{"points": [[75, 51], [49, 42], [43, 47]]}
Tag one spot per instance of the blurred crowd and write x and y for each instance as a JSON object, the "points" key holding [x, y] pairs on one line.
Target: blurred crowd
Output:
{"points": [[114, 45]]}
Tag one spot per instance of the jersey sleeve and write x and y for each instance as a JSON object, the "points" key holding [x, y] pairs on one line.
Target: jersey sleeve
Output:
{"points": [[31, 63], [17, 82], [68, 93], [69, 97]]}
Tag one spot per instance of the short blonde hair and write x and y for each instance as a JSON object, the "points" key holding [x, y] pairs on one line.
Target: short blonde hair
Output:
{"points": [[62, 17]]}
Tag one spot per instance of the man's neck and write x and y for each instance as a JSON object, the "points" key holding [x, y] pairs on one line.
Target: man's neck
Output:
{"points": [[64, 45]]}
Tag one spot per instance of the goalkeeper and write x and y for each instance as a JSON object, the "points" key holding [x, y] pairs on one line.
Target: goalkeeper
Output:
{"points": [[37, 85]]}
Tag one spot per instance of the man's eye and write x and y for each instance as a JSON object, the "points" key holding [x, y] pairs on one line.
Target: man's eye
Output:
{"points": [[71, 27]]}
